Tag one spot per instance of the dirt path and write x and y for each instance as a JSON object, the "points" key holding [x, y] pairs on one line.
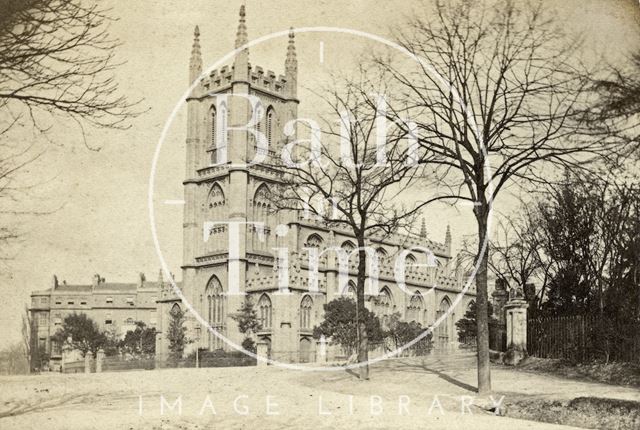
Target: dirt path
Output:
{"points": [[434, 393]]}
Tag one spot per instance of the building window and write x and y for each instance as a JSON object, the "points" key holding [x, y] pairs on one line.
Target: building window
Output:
{"points": [[384, 306], [43, 300], [350, 290], [415, 310], [129, 321], [313, 241], [265, 310], [270, 120], [58, 302], [217, 126], [444, 329], [215, 310], [306, 305], [70, 302], [83, 303], [216, 204], [348, 246], [42, 318], [108, 322], [109, 299], [213, 128], [56, 348], [410, 263]]}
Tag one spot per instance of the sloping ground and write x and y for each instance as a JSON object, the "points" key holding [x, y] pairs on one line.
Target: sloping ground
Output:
{"points": [[266, 398], [609, 373], [587, 412]]}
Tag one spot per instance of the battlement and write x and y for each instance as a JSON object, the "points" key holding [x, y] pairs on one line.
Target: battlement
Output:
{"points": [[258, 78], [398, 239], [447, 278]]}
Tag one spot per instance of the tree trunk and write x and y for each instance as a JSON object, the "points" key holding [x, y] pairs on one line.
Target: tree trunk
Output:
{"points": [[482, 319], [363, 341]]}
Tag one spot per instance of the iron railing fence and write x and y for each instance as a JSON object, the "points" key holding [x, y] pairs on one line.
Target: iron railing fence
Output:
{"points": [[584, 338]]}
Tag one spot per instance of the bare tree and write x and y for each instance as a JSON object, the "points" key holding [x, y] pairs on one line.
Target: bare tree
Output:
{"points": [[619, 99], [56, 66], [57, 58], [508, 110], [354, 180]]}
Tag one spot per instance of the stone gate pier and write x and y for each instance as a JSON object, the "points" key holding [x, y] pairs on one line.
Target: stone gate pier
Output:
{"points": [[516, 319]]}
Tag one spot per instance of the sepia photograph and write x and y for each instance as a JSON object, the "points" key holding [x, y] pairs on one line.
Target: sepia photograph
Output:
{"points": [[320, 214]]}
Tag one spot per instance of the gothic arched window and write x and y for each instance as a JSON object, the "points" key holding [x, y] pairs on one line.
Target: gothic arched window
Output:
{"points": [[384, 306], [444, 328], [348, 246], [261, 203], [261, 213], [470, 306], [265, 311], [175, 310], [382, 253], [306, 306], [271, 117], [313, 241], [350, 290], [215, 309], [215, 206], [410, 263], [415, 309], [216, 197], [218, 129]]}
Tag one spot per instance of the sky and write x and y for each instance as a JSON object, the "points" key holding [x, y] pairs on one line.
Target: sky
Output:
{"points": [[96, 198]]}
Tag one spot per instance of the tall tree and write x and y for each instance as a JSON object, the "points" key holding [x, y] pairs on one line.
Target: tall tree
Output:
{"points": [[467, 326], [586, 227], [353, 178], [177, 333], [248, 323], [509, 108], [247, 318]]}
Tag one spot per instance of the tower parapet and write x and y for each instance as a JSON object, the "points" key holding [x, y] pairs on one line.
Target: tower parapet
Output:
{"points": [[282, 86], [268, 81]]}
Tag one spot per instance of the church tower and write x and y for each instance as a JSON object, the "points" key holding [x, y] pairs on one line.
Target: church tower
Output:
{"points": [[216, 193]]}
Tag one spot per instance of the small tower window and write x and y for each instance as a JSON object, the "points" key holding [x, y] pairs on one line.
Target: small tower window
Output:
{"points": [[259, 116], [213, 127], [270, 119]]}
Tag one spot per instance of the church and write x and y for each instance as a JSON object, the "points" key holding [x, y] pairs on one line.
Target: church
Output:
{"points": [[241, 194]]}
